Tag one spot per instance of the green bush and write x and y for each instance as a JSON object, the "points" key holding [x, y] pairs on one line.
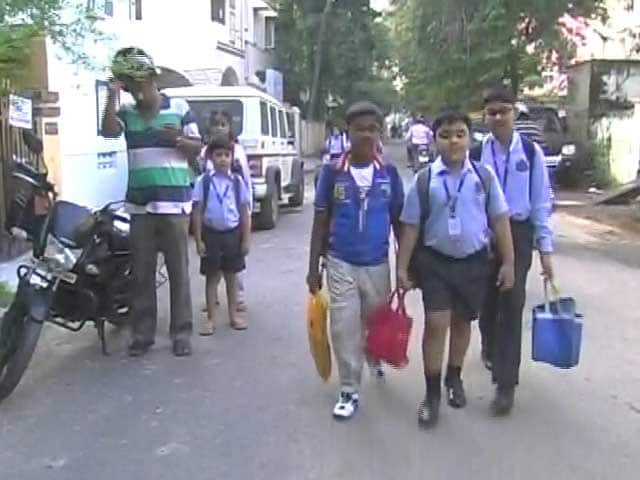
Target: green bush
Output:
{"points": [[600, 164]]}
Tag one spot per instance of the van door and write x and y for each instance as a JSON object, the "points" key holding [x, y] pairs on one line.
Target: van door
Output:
{"points": [[287, 157]]}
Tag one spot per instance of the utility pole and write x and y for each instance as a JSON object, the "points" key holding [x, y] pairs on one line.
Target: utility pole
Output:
{"points": [[315, 85]]}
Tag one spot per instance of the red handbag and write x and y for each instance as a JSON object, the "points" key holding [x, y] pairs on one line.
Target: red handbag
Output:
{"points": [[389, 332]]}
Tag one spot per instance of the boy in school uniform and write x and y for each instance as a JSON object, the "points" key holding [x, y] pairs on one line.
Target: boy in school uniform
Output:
{"points": [[520, 167], [445, 221], [221, 123], [222, 229], [358, 202]]}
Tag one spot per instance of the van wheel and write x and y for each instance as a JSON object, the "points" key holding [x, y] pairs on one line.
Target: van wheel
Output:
{"points": [[269, 210], [297, 199]]}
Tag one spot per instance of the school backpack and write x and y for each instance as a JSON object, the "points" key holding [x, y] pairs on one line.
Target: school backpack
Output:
{"points": [[206, 186], [475, 155], [423, 186]]}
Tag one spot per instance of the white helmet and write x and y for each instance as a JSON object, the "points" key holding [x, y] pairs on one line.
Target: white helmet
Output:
{"points": [[521, 108]]}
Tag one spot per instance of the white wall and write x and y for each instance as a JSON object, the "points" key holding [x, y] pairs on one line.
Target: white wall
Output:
{"points": [[312, 137], [178, 34]]}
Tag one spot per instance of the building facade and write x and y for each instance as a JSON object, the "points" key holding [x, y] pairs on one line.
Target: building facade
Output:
{"points": [[219, 42]]}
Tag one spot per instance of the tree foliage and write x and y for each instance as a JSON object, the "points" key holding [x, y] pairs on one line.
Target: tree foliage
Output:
{"points": [[449, 49], [354, 59], [66, 22]]}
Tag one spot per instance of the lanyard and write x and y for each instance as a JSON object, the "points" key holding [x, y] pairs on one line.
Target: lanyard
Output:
{"points": [[218, 196], [505, 174], [453, 201]]}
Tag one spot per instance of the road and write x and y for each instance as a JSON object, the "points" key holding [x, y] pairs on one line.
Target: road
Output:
{"points": [[250, 405]]}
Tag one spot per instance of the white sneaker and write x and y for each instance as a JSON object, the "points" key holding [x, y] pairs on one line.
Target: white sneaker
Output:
{"points": [[346, 406]]}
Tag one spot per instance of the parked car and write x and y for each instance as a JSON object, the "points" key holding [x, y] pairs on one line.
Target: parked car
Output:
{"points": [[270, 134]]}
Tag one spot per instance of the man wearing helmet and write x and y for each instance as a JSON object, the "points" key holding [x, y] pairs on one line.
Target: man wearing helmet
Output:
{"points": [[419, 135], [162, 137]]}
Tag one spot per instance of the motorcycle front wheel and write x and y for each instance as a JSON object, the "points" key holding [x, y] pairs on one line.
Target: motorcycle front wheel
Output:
{"points": [[19, 336]]}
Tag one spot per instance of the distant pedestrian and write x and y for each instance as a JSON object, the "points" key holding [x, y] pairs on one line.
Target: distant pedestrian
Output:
{"points": [[520, 167], [162, 136], [447, 214], [222, 230], [336, 144], [358, 202]]}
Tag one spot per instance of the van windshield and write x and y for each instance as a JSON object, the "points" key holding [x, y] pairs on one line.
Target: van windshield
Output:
{"points": [[202, 109]]}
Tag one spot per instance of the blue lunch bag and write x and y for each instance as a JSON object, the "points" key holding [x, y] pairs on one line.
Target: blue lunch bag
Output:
{"points": [[556, 332]]}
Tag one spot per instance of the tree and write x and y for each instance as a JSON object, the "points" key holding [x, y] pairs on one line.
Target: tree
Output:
{"points": [[449, 49], [65, 22], [348, 60]]}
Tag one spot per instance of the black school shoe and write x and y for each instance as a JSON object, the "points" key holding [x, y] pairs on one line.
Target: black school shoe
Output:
{"points": [[137, 348], [503, 402], [429, 409], [182, 347], [429, 412], [456, 397]]}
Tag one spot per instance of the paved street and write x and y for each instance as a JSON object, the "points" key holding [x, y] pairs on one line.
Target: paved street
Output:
{"points": [[250, 405]]}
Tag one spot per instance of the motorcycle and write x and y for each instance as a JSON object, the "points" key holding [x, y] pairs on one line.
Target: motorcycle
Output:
{"points": [[424, 157], [80, 271]]}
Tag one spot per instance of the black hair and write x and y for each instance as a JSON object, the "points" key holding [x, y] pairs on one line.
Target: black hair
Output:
{"points": [[362, 108], [219, 142], [499, 94], [216, 114], [447, 117], [222, 114]]}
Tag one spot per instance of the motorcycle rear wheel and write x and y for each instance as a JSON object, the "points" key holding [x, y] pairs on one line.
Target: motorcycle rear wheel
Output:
{"points": [[16, 361]]}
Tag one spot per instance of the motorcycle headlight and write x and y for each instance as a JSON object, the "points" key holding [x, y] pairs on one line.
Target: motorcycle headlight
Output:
{"points": [[569, 149], [59, 254]]}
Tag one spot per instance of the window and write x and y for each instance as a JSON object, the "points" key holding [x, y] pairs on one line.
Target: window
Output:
{"points": [[135, 9], [269, 32], [629, 5], [202, 110], [292, 125], [218, 10], [101, 7], [274, 121], [283, 125], [264, 118]]}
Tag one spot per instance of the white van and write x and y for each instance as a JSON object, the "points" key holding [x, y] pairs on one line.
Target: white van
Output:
{"points": [[270, 134]]}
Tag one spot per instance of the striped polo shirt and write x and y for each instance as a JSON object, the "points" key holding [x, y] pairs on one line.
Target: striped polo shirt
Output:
{"points": [[159, 175]]}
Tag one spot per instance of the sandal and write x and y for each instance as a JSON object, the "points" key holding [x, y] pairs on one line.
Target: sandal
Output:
{"points": [[207, 328], [239, 325]]}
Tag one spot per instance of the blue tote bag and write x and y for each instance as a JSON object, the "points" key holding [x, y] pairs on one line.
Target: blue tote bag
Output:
{"points": [[556, 331]]}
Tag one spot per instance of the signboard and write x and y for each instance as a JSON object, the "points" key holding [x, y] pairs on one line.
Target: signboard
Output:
{"points": [[20, 112]]}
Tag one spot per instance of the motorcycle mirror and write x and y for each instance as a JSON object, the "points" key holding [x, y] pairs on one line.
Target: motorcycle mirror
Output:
{"points": [[32, 141]]}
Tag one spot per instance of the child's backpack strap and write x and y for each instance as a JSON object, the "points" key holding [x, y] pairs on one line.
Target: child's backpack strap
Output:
{"points": [[530, 152], [423, 185], [475, 154], [484, 175], [236, 190], [206, 186]]}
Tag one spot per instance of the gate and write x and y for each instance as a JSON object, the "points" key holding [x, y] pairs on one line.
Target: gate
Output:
{"points": [[12, 149]]}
